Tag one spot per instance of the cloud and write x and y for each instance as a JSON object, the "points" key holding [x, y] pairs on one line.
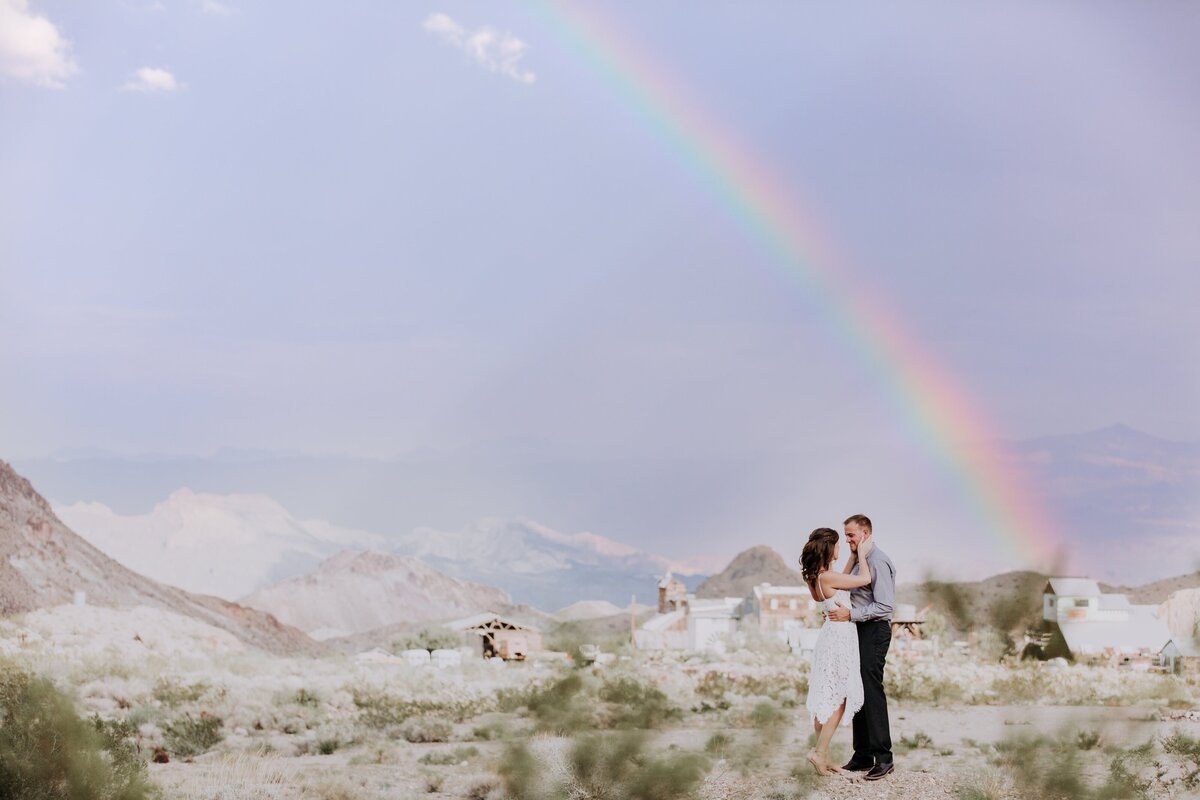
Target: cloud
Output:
{"points": [[494, 50], [215, 8], [152, 79], [31, 48]]}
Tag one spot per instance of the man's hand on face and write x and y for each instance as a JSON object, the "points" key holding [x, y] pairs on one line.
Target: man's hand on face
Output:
{"points": [[839, 614]]}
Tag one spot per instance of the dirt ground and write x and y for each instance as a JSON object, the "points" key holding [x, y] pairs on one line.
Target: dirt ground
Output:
{"points": [[949, 758]]}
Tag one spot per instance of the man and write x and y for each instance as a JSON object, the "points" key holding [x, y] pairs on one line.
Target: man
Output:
{"points": [[872, 612]]}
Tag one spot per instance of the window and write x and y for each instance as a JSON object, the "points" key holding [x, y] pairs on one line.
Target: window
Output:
{"points": [[1082, 602], [774, 603], [792, 604]]}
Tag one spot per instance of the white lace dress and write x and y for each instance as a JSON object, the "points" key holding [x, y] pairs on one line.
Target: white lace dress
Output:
{"points": [[835, 676]]}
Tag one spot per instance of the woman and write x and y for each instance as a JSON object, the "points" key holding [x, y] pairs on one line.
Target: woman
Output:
{"points": [[835, 684]]}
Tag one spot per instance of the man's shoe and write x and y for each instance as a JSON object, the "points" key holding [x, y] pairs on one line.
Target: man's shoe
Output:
{"points": [[880, 770], [858, 766]]}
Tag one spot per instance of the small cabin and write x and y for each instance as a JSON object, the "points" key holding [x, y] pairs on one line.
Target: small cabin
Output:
{"points": [[1181, 656], [493, 636]]}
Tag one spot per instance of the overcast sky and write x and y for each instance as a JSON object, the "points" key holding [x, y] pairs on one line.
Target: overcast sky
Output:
{"points": [[384, 228]]}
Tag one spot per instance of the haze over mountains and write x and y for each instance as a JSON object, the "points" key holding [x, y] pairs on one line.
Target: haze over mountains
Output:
{"points": [[1121, 497]]}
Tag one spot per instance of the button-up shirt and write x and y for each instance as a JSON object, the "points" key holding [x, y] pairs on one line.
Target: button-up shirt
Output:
{"points": [[877, 599]]}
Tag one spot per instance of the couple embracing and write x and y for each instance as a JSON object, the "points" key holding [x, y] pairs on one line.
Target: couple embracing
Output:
{"points": [[847, 667]]}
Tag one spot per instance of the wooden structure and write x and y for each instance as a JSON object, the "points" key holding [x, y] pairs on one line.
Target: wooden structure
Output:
{"points": [[1181, 656], [496, 636], [776, 608], [672, 594]]}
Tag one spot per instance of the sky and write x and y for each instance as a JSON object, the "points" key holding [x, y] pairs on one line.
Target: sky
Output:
{"points": [[394, 229]]}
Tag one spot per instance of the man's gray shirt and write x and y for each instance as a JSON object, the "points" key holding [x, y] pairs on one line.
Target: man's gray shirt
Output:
{"points": [[877, 599]]}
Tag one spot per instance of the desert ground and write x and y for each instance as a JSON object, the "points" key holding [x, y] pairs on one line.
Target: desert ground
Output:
{"points": [[233, 723]]}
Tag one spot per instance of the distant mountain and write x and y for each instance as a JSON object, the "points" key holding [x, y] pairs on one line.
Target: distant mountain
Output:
{"points": [[1157, 591], [586, 609], [540, 566], [227, 545], [43, 564], [1128, 501], [357, 591], [748, 569]]}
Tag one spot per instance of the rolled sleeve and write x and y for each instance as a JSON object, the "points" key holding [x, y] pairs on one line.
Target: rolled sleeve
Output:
{"points": [[883, 590]]}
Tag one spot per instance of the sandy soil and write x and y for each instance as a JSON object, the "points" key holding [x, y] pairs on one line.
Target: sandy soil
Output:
{"points": [[393, 769]]}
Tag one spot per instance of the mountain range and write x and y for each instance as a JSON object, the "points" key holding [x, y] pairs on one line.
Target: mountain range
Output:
{"points": [[43, 564]]}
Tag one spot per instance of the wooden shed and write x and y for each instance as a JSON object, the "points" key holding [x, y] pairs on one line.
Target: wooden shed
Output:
{"points": [[496, 636]]}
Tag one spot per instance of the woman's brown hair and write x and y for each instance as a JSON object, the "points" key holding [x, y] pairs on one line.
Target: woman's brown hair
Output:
{"points": [[817, 553]]}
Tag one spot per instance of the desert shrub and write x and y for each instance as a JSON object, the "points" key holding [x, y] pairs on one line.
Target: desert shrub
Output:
{"points": [[765, 715], [634, 704], [431, 638], [713, 686], [190, 736], [718, 744], [379, 709], [1087, 740], [304, 697], [1023, 685], [328, 747], [433, 782], [480, 790], [47, 751], [918, 741], [563, 707], [172, 692], [425, 729], [915, 683], [980, 786], [610, 765], [493, 729], [1188, 749], [446, 757]]}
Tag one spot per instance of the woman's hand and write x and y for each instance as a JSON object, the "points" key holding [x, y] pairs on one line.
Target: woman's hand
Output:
{"points": [[864, 549]]}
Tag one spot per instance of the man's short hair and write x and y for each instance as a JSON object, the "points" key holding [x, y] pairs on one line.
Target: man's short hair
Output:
{"points": [[861, 520]]}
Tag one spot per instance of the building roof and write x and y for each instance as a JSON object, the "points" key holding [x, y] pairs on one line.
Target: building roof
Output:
{"points": [[1187, 647], [766, 588], [1075, 587], [1142, 630], [666, 580], [723, 607], [487, 619], [1113, 601], [662, 622]]}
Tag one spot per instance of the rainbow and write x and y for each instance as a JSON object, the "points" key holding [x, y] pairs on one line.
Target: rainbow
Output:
{"points": [[938, 411]]}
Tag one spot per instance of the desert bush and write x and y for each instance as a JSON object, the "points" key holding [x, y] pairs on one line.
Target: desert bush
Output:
{"points": [[446, 757], [718, 744], [918, 741], [430, 638], [425, 729], [304, 697], [563, 707], [608, 766], [379, 709], [779, 685], [47, 751], [172, 692], [190, 736], [1087, 740], [328, 747], [634, 704]]}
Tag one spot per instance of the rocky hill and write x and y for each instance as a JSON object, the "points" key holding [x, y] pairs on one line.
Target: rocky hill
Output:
{"points": [[360, 590], [43, 564], [749, 568]]}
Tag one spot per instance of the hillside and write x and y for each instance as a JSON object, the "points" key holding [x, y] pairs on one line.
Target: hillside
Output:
{"points": [[749, 568], [358, 591], [43, 564]]}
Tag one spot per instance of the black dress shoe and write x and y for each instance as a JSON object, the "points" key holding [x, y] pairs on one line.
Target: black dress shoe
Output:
{"points": [[879, 770], [858, 766]]}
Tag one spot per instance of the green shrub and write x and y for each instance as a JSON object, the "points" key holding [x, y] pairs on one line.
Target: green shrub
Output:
{"points": [[718, 744], [633, 704], [425, 729], [446, 757], [190, 736], [379, 709], [172, 692], [48, 752], [918, 741], [328, 747], [304, 697], [432, 638]]}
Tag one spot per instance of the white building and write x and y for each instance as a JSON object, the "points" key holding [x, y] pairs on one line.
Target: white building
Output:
{"points": [[1094, 623], [711, 622]]}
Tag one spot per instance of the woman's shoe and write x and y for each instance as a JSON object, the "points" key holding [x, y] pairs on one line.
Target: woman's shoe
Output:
{"points": [[817, 763]]}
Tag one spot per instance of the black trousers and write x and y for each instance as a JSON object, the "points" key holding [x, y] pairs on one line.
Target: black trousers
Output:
{"points": [[872, 734]]}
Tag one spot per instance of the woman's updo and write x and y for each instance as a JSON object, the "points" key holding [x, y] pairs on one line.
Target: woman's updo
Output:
{"points": [[818, 553]]}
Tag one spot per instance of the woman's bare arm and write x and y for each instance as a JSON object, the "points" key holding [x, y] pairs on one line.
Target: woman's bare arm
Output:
{"points": [[839, 580]]}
